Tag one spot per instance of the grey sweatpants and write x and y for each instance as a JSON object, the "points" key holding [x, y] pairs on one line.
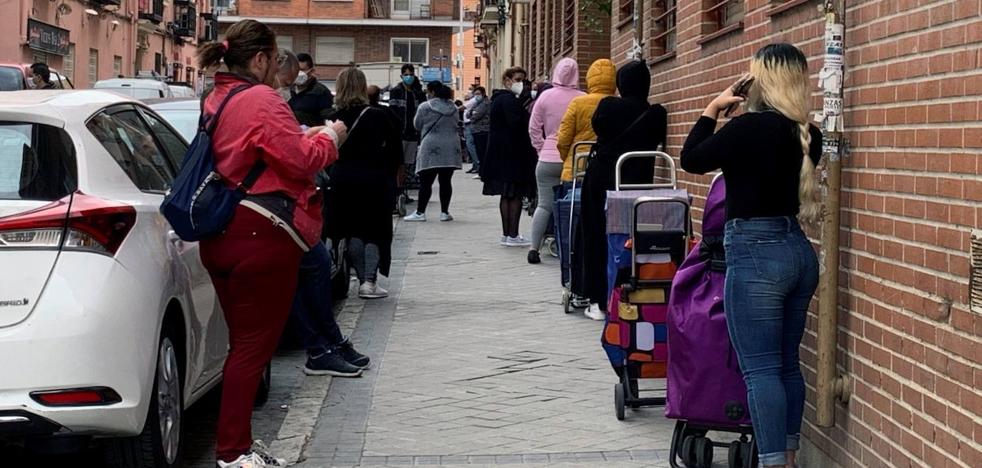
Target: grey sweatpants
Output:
{"points": [[547, 176]]}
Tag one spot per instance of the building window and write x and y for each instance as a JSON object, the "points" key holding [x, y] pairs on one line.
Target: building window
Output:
{"points": [[284, 42], [557, 29], [410, 50], [722, 14], [569, 23], [158, 63], [663, 39], [40, 57], [477, 80], [335, 50], [626, 10], [117, 65], [477, 62], [93, 66], [68, 63]]}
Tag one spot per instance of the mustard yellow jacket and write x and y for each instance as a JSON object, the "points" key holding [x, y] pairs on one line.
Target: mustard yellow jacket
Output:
{"points": [[601, 81]]}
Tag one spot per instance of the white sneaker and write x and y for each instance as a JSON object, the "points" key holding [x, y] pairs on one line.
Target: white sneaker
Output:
{"points": [[371, 290], [595, 313], [476, 177], [446, 217], [259, 457], [504, 241], [259, 449], [518, 242], [416, 216]]}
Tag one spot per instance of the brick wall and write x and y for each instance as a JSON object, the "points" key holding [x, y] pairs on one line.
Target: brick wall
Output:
{"points": [[912, 188], [302, 8], [591, 37]]}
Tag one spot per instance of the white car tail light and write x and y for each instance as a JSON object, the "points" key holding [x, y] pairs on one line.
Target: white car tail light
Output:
{"points": [[76, 222]]}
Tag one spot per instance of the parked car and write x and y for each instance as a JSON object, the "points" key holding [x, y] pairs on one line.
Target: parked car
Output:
{"points": [[109, 323], [137, 88], [16, 77], [183, 114], [181, 91]]}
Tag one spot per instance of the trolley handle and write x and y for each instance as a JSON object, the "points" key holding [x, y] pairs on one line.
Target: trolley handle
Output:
{"points": [[656, 155], [578, 157]]}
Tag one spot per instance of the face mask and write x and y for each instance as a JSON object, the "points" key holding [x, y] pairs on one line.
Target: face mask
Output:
{"points": [[478, 98], [517, 88], [534, 94], [302, 78], [407, 79]]}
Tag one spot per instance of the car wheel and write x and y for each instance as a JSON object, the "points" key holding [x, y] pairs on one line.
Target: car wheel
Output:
{"points": [[265, 385], [160, 443]]}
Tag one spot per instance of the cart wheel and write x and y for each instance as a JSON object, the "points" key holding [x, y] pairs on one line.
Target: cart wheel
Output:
{"points": [[689, 451], [748, 451], [567, 302], [553, 247], [619, 401], [401, 205], [735, 455], [704, 452]]}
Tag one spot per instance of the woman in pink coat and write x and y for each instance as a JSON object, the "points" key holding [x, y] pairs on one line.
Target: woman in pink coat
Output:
{"points": [[543, 126]]}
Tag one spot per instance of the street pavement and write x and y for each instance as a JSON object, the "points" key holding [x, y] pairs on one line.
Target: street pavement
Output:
{"points": [[475, 363]]}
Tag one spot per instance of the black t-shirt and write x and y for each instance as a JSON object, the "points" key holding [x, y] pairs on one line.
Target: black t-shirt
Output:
{"points": [[760, 155]]}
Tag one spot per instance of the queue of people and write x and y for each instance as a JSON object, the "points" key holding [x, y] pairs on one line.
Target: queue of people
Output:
{"points": [[330, 167]]}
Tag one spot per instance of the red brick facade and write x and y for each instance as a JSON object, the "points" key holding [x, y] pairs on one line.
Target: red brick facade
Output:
{"points": [[912, 193], [560, 28]]}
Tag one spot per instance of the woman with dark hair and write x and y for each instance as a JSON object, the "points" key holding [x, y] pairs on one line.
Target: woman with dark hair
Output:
{"points": [[253, 264], [439, 149], [508, 167], [771, 267], [363, 182], [623, 124]]}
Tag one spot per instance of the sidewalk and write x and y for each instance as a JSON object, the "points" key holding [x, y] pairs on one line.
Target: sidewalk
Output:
{"points": [[475, 363]]}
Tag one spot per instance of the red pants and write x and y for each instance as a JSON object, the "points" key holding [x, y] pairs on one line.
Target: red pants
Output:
{"points": [[253, 266]]}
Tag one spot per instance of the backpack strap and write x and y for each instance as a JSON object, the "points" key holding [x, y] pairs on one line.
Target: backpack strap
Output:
{"points": [[209, 123]]}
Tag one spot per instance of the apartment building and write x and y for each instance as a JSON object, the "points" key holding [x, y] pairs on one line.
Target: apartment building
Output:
{"points": [[336, 34], [88, 41], [564, 28], [470, 64], [910, 282]]}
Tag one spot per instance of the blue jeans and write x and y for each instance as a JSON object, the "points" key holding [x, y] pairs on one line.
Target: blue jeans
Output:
{"points": [[771, 275], [471, 147], [313, 310]]}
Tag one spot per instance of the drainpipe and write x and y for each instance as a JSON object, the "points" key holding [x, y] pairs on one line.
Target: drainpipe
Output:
{"points": [[831, 386]]}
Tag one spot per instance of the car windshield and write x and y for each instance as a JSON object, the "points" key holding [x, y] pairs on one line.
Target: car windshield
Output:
{"points": [[11, 79], [37, 162], [184, 121]]}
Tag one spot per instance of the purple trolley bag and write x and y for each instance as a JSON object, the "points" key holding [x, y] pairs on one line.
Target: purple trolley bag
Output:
{"points": [[706, 390]]}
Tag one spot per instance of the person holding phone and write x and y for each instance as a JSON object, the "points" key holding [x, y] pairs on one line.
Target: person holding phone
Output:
{"points": [[768, 156]]}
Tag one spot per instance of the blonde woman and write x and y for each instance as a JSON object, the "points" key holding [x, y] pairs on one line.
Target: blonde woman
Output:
{"points": [[768, 156]]}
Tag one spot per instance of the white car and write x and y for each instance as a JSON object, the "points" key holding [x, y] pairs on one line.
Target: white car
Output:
{"points": [[109, 324], [137, 88]]}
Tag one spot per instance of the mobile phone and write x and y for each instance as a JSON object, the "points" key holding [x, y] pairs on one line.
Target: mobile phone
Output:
{"points": [[740, 88]]}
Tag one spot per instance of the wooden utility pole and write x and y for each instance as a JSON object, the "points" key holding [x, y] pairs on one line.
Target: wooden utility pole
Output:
{"points": [[829, 385]]}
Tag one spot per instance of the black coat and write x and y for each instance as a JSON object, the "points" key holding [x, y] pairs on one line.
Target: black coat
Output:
{"points": [[313, 104], [612, 121], [404, 103], [510, 157], [362, 181]]}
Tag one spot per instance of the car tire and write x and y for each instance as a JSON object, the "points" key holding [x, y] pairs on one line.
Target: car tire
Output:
{"points": [[161, 442], [265, 385]]}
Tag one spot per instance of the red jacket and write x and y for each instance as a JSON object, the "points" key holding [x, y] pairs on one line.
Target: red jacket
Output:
{"points": [[258, 124]]}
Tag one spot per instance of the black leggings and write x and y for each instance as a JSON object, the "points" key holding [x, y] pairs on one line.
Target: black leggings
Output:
{"points": [[511, 215], [426, 179]]}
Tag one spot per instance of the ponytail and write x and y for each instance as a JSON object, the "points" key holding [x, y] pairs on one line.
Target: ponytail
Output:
{"points": [[243, 40], [807, 185]]}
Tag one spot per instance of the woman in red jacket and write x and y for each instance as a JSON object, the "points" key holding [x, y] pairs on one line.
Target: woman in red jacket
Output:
{"points": [[254, 262]]}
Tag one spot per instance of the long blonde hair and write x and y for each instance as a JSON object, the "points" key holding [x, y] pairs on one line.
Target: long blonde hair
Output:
{"points": [[352, 89], [780, 74]]}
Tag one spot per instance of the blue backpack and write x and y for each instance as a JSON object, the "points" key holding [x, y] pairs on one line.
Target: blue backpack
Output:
{"points": [[199, 203]]}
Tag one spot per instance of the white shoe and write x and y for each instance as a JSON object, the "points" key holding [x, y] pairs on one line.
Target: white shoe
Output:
{"points": [[476, 177], [259, 457], [416, 216], [504, 241], [446, 217], [259, 449], [595, 313], [371, 290], [518, 242]]}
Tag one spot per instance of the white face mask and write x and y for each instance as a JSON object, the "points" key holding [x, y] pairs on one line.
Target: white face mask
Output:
{"points": [[534, 94], [517, 87], [302, 78]]}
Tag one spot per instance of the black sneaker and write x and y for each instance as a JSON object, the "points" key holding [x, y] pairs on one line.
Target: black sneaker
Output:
{"points": [[347, 351], [534, 257], [330, 363]]}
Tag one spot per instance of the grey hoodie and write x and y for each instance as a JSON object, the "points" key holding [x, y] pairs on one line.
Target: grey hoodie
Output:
{"points": [[436, 120]]}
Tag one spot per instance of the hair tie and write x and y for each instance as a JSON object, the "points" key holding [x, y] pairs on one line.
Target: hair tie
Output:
{"points": [[225, 46]]}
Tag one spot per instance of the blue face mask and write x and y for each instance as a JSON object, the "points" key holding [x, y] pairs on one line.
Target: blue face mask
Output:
{"points": [[408, 79]]}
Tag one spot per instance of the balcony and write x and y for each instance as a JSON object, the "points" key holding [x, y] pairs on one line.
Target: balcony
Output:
{"points": [[107, 2], [152, 11], [224, 7], [183, 2], [185, 21], [401, 9]]}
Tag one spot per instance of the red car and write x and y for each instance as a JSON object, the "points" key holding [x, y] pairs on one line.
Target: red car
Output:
{"points": [[17, 76]]}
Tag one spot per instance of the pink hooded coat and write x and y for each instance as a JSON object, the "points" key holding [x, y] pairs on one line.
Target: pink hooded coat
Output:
{"points": [[550, 108]]}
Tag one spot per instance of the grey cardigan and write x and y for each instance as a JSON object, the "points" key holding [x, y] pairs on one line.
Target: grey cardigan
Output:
{"points": [[480, 116], [436, 120]]}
